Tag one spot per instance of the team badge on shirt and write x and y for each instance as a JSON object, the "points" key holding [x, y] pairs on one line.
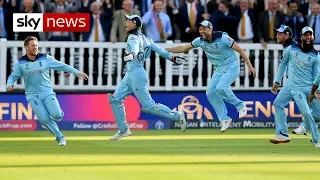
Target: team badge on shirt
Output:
{"points": [[40, 63], [309, 59], [27, 66]]}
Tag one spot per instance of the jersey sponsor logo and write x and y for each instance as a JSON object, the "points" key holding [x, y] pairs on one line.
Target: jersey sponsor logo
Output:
{"points": [[34, 72]]}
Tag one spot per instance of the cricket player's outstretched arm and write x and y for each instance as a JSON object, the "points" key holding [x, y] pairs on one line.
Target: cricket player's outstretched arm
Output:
{"points": [[165, 54], [60, 66], [244, 56], [184, 49], [230, 43], [15, 75]]}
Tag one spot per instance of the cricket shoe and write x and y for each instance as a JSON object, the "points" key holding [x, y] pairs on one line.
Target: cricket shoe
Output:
{"points": [[62, 142], [316, 144], [225, 124], [120, 135], [301, 130], [243, 112], [280, 139], [183, 121]]}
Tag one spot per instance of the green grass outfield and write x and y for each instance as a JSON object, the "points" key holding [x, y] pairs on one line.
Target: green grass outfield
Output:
{"points": [[157, 154]]}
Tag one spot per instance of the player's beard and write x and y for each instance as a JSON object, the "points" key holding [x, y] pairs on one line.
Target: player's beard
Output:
{"points": [[307, 47]]}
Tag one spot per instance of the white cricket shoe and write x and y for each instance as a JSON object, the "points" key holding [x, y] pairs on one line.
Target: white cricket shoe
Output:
{"points": [[316, 144], [301, 130], [62, 142], [280, 139], [243, 112], [120, 135], [225, 124], [183, 121]]}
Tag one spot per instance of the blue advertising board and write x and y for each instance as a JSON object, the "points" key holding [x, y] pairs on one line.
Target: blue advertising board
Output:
{"points": [[93, 112]]}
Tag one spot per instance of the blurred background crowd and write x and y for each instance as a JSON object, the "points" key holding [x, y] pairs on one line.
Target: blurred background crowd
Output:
{"points": [[245, 21]]}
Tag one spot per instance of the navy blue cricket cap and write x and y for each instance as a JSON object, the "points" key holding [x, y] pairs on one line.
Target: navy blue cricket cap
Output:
{"points": [[135, 19], [205, 23], [285, 29]]}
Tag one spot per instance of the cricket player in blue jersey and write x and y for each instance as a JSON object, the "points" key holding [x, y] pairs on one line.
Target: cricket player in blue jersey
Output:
{"points": [[34, 68], [220, 50], [135, 81], [284, 37], [304, 63]]}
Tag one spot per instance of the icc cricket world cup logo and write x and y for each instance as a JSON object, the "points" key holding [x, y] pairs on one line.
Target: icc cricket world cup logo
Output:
{"points": [[194, 110]]}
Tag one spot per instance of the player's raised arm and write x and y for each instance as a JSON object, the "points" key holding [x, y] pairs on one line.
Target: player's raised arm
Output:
{"points": [[15, 75], [183, 49], [232, 44], [165, 54], [60, 66]]}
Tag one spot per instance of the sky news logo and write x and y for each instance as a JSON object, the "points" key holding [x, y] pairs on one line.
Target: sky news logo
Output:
{"points": [[51, 22]]}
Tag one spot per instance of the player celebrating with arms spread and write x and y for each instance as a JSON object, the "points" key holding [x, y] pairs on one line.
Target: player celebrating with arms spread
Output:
{"points": [[135, 81], [219, 48], [34, 68]]}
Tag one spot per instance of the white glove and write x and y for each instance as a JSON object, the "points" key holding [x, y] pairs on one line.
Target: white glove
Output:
{"points": [[178, 60], [128, 57]]}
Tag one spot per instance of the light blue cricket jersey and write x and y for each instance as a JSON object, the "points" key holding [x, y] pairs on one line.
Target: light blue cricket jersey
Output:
{"points": [[317, 80], [36, 73], [218, 51], [141, 46], [303, 67]]}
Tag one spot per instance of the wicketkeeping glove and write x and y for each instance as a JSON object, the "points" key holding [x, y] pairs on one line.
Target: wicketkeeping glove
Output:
{"points": [[178, 60]]}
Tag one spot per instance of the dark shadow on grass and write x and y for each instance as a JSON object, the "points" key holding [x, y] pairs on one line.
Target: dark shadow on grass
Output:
{"points": [[154, 164]]}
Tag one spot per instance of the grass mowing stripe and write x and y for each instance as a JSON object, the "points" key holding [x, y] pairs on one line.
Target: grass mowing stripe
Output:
{"points": [[150, 137]]}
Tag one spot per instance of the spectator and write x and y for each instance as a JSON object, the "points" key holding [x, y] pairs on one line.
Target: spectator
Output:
{"points": [[314, 21], [188, 28], [158, 27], [283, 6], [266, 34], [118, 31], [246, 32], [295, 20], [305, 8], [173, 12], [100, 25], [222, 20]]}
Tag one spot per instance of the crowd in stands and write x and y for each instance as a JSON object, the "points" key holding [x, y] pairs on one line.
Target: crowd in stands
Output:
{"points": [[245, 21]]}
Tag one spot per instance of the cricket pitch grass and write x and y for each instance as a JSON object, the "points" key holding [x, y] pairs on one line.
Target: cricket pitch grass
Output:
{"points": [[158, 155]]}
